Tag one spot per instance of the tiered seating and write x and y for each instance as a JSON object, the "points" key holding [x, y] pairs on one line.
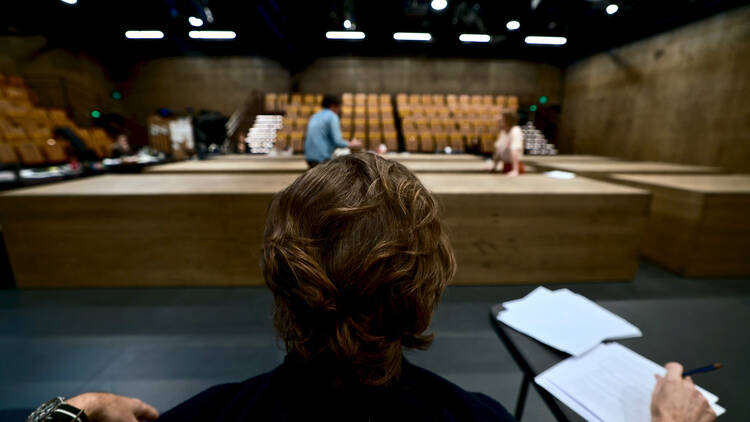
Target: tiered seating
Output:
{"points": [[26, 131], [369, 118], [432, 122], [297, 108]]}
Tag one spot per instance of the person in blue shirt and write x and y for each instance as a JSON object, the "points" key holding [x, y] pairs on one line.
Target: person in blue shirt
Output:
{"points": [[324, 133]]}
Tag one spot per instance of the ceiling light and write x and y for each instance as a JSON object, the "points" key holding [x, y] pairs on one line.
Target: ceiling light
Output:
{"points": [[412, 36], [213, 35], [474, 38], [69, 1], [536, 39], [345, 35], [612, 9], [439, 4], [513, 25], [347, 24], [144, 35], [195, 21]]}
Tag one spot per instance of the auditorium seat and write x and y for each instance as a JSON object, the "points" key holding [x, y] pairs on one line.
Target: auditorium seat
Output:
{"points": [[430, 121], [12, 132], [297, 140], [7, 154], [29, 154], [270, 101], [37, 131], [15, 81], [53, 152]]}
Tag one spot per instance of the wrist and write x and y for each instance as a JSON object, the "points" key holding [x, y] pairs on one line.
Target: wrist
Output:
{"points": [[86, 402], [661, 417]]}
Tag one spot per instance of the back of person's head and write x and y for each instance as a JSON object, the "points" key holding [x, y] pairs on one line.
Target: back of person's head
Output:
{"points": [[330, 101], [357, 258], [510, 118]]}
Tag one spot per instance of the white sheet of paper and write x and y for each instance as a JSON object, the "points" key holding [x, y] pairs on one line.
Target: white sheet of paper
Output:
{"points": [[609, 383], [565, 320]]}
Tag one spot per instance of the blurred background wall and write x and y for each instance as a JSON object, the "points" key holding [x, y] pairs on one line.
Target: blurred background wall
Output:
{"points": [[682, 96], [526, 79], [213, 83]]}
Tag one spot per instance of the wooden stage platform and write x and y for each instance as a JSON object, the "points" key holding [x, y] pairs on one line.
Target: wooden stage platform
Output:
{"points": [[603, 169], [566, 158], [206, 230], [250, 166], [391, 155], [273, 165], [698, 225]]}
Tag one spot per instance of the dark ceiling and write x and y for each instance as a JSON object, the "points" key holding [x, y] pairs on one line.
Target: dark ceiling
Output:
{"points": [[293, 32]]}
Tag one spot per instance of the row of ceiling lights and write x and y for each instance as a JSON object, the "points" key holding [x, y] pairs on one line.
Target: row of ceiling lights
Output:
{"points": [[199, 35], [439, 5], [157, 35], [442, 4], [426, 36], [359, 35]]}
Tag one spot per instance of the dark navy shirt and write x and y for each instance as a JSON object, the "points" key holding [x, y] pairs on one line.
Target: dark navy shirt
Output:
{"points": [[297, 392]]}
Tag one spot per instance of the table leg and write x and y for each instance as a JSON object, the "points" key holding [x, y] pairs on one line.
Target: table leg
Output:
{"points": [[522, 397]]}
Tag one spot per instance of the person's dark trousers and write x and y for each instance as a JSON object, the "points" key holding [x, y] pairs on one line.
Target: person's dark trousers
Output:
{"points": [[311, 164]]}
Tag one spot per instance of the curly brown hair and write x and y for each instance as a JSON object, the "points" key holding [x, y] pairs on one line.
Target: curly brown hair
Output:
{"points": [[357, 258]]}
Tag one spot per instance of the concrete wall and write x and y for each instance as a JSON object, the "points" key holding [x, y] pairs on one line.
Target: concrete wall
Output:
{"points": [[212, 83], [528, 80], [681, 96], [59, 77]]}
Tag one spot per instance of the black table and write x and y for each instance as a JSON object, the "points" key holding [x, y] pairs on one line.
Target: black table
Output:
{"points": [[694, 332]]}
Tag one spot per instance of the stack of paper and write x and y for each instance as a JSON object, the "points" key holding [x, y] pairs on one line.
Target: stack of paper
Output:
{"points": [[609, 383], [565, 320]]}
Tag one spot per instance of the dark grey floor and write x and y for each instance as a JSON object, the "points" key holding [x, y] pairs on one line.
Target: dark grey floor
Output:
{"points": [[164, 345]]}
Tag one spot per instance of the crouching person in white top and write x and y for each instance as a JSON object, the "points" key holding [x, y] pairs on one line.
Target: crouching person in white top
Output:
{"points": [[509, 145]]}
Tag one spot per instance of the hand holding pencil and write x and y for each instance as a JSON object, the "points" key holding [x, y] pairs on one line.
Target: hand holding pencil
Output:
{"points": [[675, 398]]}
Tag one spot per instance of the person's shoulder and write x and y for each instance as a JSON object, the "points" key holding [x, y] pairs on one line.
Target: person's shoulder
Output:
{"points": [[220, 402], [457, 403]]}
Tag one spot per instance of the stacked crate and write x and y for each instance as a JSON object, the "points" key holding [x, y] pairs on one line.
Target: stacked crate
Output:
{"points": [[535, 143]]}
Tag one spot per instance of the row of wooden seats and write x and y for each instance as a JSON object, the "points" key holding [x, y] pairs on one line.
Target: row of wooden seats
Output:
{"points": [[49, 151], [453, 99], [361, 99], [468, 111], [12, 80], [370, 121], [369, 117], [370, 140], [373, 121], [279, 101], [467, 125], [296, 110], [429, 142], [366, 109], [26, 132], [437, 141], [31, 143], [274, 101]]}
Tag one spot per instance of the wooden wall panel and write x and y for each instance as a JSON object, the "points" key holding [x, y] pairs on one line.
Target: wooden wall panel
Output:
{"points": [[206, 230], [680, 96]]}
